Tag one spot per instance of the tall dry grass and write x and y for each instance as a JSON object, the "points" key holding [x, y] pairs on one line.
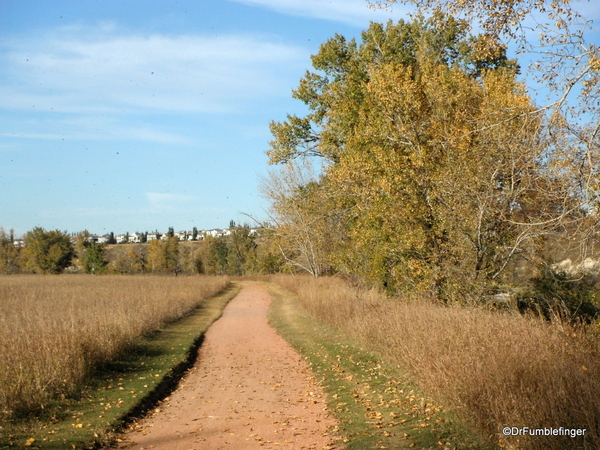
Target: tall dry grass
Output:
{"points": [[55, 329], [497, 369]]}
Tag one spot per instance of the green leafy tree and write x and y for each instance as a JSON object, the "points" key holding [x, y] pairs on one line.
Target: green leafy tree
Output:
{"points": [[240, 249], [343, 71], [48, 251], [171, 252], [94, 261], [211, 258], [90, 255], [267, 257]]}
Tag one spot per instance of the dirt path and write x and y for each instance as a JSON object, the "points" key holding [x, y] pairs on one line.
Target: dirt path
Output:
{"points": [[249, 389]]}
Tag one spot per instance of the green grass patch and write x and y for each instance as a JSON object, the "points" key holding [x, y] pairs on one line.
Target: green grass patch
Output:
{"points": [[122, 390], [376, 406]]}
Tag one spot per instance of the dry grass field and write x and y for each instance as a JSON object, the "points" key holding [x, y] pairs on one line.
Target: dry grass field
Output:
{"points": [[55, 329], [496, 369]]}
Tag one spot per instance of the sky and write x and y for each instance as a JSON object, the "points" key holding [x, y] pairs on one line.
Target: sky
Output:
{"points": [[139, 115]]}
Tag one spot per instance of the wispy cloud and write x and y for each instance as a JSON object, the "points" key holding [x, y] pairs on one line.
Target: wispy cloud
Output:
{"points": [[353, 12], [107, 70], [167, 201], [96, 129]]}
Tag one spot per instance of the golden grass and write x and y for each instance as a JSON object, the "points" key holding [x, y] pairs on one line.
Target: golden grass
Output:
{"points": [[496, 369], [54, 330]]}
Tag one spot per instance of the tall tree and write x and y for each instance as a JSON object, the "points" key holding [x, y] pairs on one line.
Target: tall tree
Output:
{"points": [[94, 261], [240, 248], [437, 184], [434, 158], [163, 255], [212, 256]]}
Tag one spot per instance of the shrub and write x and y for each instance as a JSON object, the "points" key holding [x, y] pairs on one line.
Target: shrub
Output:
{"points": [[563, 296]]}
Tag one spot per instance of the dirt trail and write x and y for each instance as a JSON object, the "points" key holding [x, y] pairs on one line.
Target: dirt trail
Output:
{"points": [[249, 389]]}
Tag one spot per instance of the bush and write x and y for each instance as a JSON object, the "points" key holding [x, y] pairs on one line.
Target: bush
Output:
{"points": [[563, 296]]}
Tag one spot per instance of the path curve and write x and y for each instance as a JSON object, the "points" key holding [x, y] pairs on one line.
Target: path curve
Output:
{"points": [[248, 390]]}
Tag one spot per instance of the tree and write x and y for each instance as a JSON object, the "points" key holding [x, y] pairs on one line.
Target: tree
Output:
{"points": [[301, 220], [9, 253], [212, 256], [171, 252], [240, 249], [437, 170], [343, 69], [564, 61], [436, 182], [90, 255], [47, 251], [164, 255], [94, 261], [129, 259]]}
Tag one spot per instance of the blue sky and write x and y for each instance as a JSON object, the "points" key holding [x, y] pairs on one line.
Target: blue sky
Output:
{"points": [[139, 115], [136, 115]]}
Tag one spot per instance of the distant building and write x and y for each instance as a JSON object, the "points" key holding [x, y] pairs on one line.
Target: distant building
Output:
{"points": [[103, 239], [153, 236], [183, 235], [135, 238]]}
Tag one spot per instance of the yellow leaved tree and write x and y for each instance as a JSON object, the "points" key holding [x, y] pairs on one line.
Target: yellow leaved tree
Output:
{"points": [[436, 167]]}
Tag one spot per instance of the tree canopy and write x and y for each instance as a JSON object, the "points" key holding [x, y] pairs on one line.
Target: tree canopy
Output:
{"points": [[48, 251], [565, 63], [343, 68], [437, 166]]}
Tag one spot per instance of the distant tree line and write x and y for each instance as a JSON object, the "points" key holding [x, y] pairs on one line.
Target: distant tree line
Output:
{"points": [[241, 252]]}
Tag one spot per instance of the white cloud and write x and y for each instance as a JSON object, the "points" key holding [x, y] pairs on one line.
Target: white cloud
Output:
{"points": [[102, 70], [96, 129], [166, 201], [353, 12]]}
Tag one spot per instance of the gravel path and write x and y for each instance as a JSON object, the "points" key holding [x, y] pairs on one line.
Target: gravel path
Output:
{"points": [[249, 389]]}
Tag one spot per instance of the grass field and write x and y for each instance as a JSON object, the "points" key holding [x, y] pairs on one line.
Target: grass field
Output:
{"points": [[56, 330], [496, 369]]}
